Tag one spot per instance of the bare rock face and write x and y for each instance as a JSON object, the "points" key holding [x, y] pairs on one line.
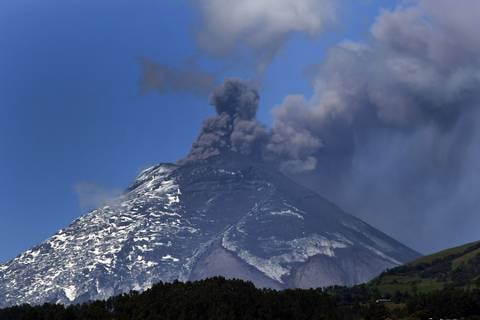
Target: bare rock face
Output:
{"points": [[226, 215]]}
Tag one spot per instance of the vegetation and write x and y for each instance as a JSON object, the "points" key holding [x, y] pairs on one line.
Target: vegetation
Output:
{"points": [[453, 268], [218, 299]]}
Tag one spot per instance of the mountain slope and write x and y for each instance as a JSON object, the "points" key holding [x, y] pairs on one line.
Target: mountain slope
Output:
{"points": [[226, 215], [455, 267]]}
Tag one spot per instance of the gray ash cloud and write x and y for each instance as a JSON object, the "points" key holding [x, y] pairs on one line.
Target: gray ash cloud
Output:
{"points": [[235, 127], [396, 121], [236, 99], [391, 130]]}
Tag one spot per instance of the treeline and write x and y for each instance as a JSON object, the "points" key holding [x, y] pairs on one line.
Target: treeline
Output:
{"points": [[210, 299], [446, 304], [220, 299]]}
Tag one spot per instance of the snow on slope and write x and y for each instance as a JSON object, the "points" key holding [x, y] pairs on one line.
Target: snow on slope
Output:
{"points": [[133, 236]]}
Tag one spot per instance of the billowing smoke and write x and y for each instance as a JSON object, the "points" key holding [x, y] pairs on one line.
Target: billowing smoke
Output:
{"points": [[259, 27], [236, 99], [392, 125], [235, 127], [391, 132]]}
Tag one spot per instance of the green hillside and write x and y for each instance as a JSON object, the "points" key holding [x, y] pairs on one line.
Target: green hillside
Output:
{"points": [[457, 267]]}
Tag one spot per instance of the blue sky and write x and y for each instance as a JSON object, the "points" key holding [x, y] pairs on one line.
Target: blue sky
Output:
{"points": [[70, 107]]}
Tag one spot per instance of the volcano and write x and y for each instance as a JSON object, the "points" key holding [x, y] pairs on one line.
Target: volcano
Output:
{"points": [[226, 215]]}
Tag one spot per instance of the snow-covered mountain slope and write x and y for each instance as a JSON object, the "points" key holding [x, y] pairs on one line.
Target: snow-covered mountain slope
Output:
{"points": [[227, 215]]}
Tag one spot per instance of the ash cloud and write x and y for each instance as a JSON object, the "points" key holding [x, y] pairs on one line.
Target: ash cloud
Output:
{"points": [[165, 79], [236, 99], [392, 124], [391, 132], [235, 127]]}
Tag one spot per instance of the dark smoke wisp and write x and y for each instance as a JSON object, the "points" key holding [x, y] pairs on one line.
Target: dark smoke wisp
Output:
{"points": [[165, 79], [235, 127]]}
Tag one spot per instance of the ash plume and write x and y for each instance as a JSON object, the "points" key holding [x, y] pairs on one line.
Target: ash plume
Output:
{"points": [[391, 130], [395, 120], [235, 127]]}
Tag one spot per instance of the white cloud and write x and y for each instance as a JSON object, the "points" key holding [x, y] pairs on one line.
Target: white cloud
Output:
{"points": [[261, 26]]}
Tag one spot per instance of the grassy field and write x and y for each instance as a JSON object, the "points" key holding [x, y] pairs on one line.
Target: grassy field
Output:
{"points": [[456, 267]]}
